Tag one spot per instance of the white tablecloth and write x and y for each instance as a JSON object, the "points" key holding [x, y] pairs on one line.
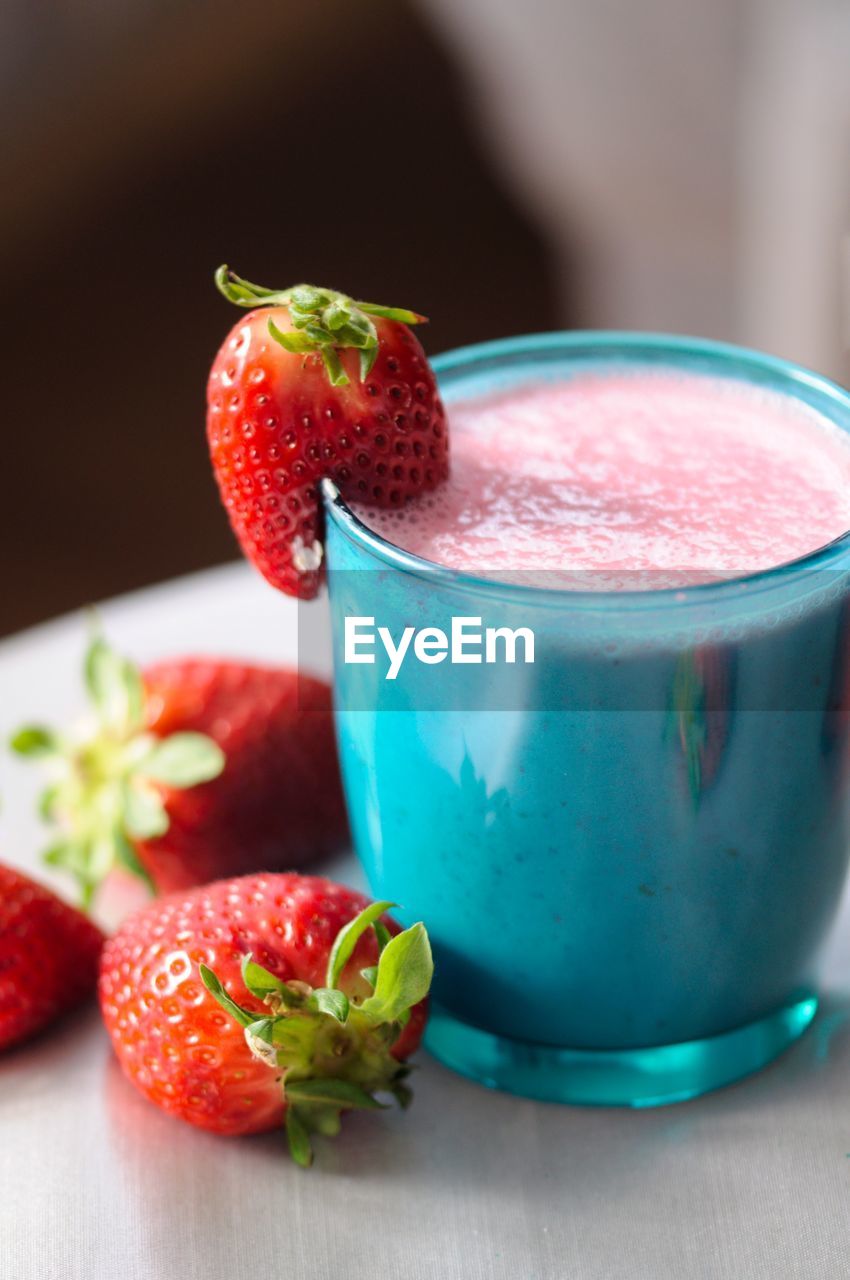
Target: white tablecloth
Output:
{"points": [[96, 1184]]}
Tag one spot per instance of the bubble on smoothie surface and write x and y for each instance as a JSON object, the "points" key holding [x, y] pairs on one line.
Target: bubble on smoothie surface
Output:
{"points": [[619, 481]]}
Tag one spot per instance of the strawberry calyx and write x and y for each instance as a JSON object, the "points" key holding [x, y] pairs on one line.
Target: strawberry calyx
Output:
{"points": [[324, 321], [106, 783], [332, 1051]]}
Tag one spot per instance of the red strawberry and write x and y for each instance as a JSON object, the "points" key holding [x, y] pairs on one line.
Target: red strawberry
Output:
{"points": [[198, 769], [253, 1000], [312, 386], [48, 957]]}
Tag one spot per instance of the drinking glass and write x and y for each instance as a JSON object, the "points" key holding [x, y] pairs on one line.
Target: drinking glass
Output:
{"points": [[627, 853]]}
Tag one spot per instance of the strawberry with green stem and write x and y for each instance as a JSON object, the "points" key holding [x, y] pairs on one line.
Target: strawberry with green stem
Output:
{"points": [[266, 999], [313, 385], [105, 788], [196, 768]]}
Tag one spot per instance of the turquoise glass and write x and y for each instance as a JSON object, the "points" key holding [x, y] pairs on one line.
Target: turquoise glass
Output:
{"points": [[628, 853]]}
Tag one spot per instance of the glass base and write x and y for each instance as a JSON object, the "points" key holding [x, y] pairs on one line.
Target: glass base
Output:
{"points": [[615, 1078]]}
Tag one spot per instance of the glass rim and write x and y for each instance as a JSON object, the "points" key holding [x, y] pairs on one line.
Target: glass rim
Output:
{"points": [[608, 342]]}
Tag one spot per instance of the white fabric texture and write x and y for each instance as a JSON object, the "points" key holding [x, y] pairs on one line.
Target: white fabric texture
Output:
{"points": [[751, 1183]]}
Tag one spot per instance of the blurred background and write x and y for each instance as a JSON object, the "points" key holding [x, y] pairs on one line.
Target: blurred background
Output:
{"points": [[504, 168]]}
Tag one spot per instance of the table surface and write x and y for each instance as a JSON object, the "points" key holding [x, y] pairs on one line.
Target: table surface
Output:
{"points": [[750, 1182]]}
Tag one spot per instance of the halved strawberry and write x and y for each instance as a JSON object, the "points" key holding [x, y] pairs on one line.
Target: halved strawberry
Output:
{"points": [[315, 385]]}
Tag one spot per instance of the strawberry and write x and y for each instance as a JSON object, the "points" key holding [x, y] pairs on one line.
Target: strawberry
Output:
{"points": [[313, 385], [198, 768], [266, 999], [48, 957]]}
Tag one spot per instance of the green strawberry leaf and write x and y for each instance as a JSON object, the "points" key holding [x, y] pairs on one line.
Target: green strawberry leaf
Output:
{"points": [[333, 367], [337, 316], [262, 1029], [115, 686], [98, 671], [399, 314], [48, 801], [260, 982], [370, 974], [297, 343], [299, 1139], [336, 1093], [316, 332], [242, 292], [293, 1036], [382, 933], [34, 740], [66, 854], [100, 855], [300, 320], [145, 815], [183, 760], [81, 857], [347, 938], [348, 327], [329, 1000], [404, 975], [353, 335], [324, 1120], [368, 356], [310, 297], [216, 989], [126, 856]]}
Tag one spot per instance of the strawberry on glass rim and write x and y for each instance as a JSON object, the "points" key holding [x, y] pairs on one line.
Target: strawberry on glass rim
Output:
{"points": [[313, 385]]}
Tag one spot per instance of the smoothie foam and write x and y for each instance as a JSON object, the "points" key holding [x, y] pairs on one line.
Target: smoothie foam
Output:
{"points": [[630, 480]]}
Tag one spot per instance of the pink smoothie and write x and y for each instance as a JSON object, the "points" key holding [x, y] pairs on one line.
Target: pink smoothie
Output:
{"points": [[633, 480]]}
